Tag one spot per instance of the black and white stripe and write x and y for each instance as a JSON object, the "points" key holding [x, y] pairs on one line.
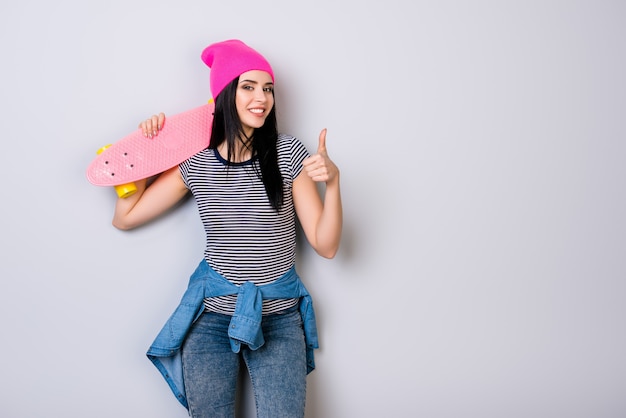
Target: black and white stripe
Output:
{"points": [[246, 239]]}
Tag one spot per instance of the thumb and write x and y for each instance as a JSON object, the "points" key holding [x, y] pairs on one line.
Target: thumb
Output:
{"points": [[321, 148]]}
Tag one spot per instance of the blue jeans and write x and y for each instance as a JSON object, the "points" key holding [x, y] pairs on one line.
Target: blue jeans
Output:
{"points": [[277, 370]]}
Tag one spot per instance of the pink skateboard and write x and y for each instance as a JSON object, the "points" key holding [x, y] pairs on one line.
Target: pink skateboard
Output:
{"points": [[136, 157]]}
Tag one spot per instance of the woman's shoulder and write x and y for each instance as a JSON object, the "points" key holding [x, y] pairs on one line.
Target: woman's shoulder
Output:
{"points": [[291, 151], [286, 139], [200, 157], [288, 143]]}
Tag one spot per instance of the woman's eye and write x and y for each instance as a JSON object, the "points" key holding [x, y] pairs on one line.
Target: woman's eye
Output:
{"points": [[268, 89]]}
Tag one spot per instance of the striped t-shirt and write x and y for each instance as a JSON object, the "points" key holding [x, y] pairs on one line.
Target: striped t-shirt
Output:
{"points": [[246, 239]]}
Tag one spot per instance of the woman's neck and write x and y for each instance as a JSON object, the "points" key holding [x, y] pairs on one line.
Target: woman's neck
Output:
{"points": [[241, 152]]}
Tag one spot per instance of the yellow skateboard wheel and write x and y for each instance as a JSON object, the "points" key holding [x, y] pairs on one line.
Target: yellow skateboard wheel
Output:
{"points": [[125, 190]]}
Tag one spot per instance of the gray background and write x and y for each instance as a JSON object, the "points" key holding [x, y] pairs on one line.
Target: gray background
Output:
{"points": [[482, 151]]}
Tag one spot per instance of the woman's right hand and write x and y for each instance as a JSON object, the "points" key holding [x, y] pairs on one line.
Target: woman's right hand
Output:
{"points": [[151, 126]]}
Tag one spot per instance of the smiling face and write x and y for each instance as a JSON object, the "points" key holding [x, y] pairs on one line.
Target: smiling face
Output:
{"points": [[254, 99]]}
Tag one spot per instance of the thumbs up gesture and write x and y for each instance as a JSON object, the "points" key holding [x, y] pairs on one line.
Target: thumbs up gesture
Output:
{"points": [[318, 166]]}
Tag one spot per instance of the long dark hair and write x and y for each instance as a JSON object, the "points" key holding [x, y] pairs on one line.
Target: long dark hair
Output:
{"points": [[263, 143]]}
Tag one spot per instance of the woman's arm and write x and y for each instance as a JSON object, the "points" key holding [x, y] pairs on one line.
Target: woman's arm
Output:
{"points": [[321, 220], [149, 202]]}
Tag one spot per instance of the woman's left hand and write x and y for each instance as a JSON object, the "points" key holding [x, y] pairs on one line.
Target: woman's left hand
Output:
{"points": [[319, 167]]}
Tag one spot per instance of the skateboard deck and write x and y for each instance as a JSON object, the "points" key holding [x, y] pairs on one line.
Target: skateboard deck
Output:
{"points": [[135, 157]]}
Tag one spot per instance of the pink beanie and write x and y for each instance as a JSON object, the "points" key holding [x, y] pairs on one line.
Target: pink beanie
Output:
{"points": [[229, 59]]}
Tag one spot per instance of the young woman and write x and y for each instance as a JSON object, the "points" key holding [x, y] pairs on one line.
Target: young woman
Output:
{"points": [[245, 301]]}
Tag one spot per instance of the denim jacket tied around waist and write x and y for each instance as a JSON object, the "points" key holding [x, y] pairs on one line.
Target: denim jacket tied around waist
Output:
{"points": [[245, 325]]}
